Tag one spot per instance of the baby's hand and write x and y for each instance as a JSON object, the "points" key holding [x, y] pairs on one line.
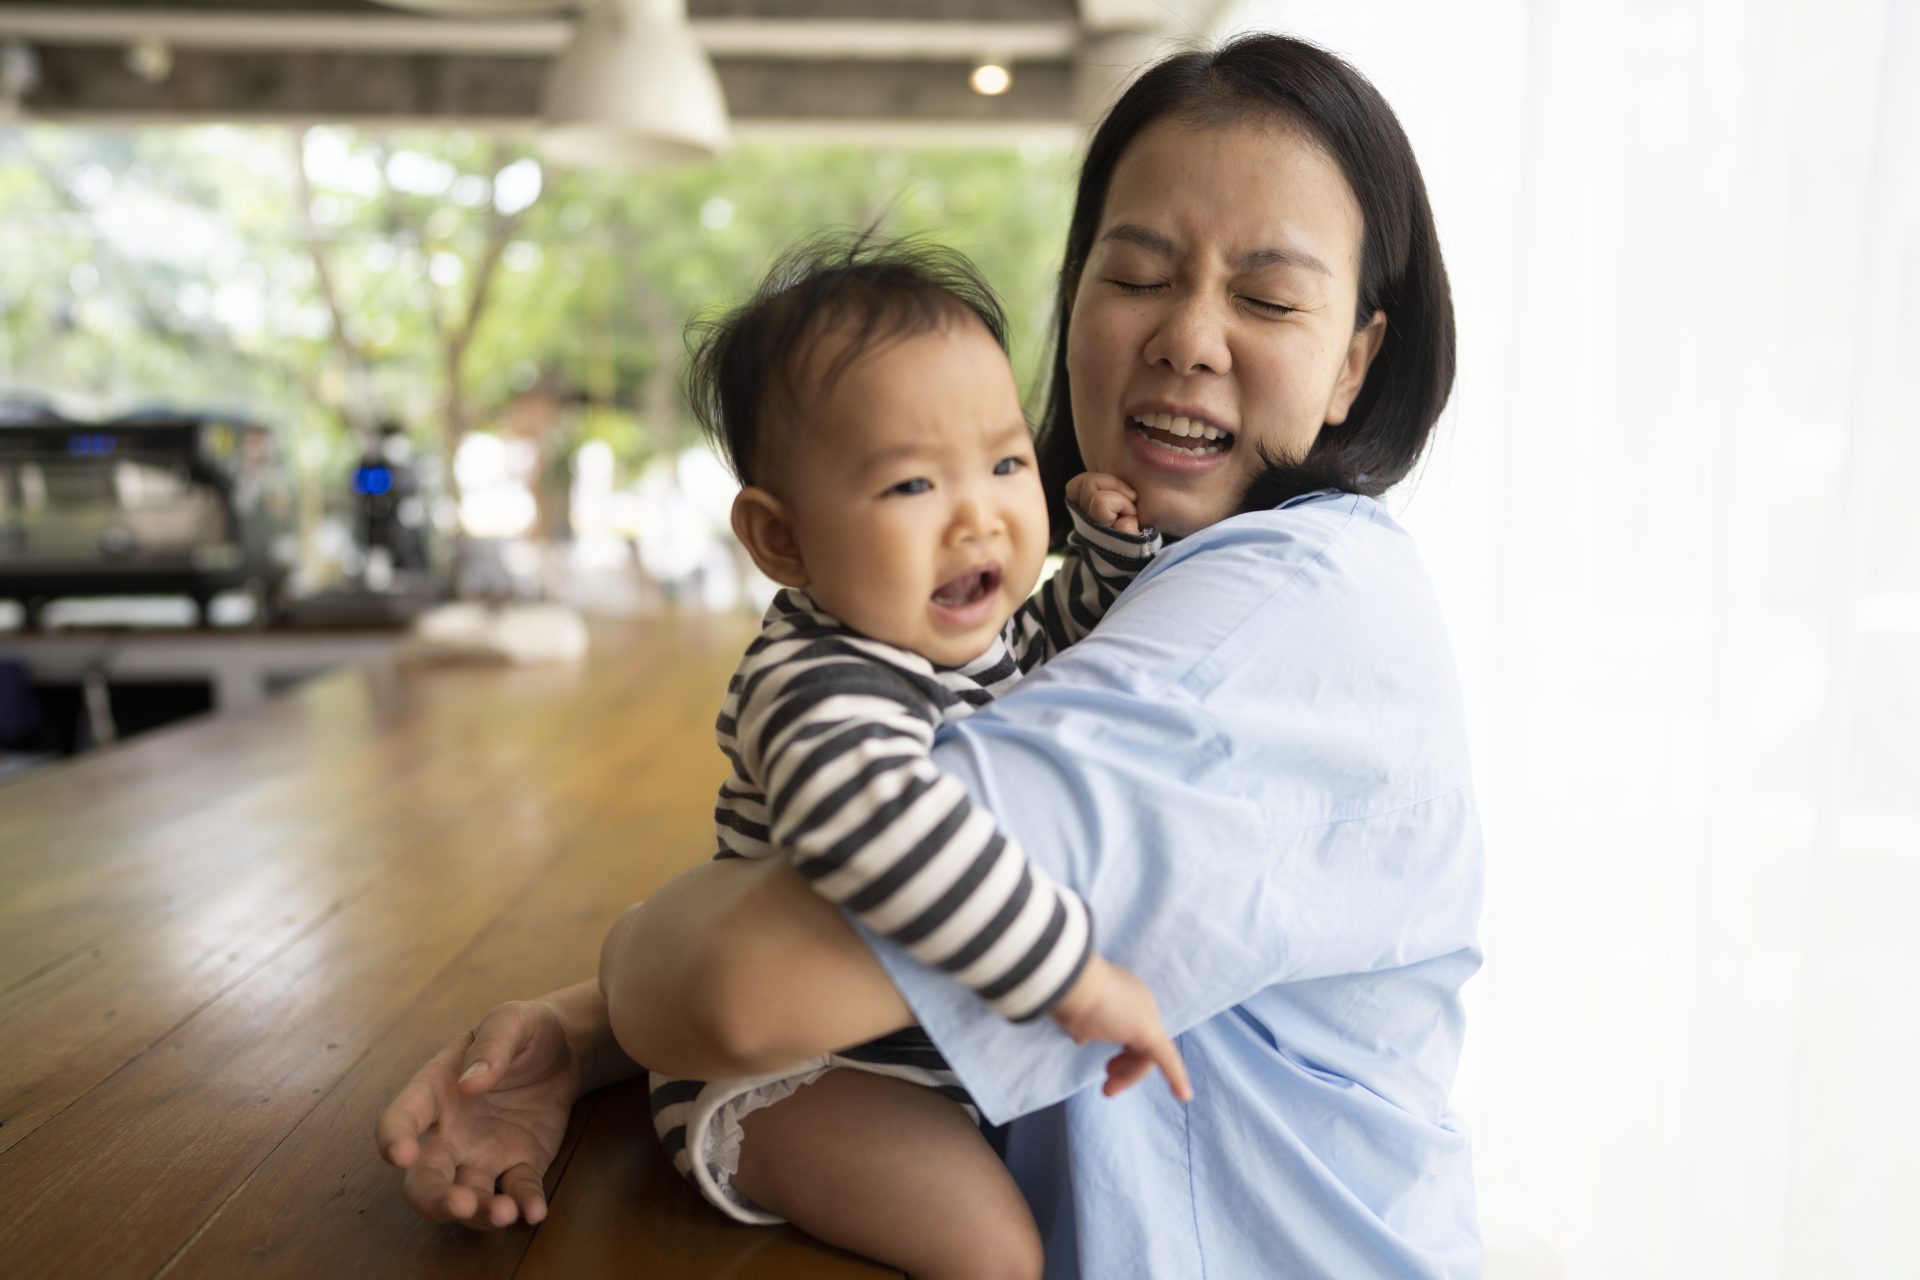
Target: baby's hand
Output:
{"points": [[1111, 1004], [1106, 500]]}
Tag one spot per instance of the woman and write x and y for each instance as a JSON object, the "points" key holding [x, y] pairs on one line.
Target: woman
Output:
{"points": [[1254, 770]]}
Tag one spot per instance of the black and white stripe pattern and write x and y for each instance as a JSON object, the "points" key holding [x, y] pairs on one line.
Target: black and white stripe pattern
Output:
{"points": [[1099, 564], [829, 734]]}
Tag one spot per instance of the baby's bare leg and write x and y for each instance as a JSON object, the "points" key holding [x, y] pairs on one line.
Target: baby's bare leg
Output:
{"points": [[892, 1171]]}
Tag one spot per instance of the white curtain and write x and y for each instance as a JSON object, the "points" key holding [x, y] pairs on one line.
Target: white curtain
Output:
{"points": [[1674, 515]]}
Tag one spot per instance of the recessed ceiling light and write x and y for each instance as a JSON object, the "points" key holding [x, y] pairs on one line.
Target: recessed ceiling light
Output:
{"points": [[991, 78]]}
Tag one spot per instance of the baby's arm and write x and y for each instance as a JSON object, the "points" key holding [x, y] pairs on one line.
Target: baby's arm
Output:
{"points": [[872, 825], [1106, 550], [1112, 1005], [841, 746]]}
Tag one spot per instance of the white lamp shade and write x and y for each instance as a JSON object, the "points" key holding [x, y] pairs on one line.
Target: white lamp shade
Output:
{"points": [[635, 90]]}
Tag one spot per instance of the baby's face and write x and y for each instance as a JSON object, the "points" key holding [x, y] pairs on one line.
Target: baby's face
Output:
{"points": [[914, 498]]}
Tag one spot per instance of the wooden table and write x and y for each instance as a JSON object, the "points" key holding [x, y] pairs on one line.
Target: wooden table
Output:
{"points": [[225, 945]]}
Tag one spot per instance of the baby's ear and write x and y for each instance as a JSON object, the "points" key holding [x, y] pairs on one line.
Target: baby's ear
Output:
{"points": [[765, 528]]}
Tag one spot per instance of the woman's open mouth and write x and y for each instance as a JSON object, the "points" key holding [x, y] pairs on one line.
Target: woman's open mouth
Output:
{"points": [[1185, 437]]}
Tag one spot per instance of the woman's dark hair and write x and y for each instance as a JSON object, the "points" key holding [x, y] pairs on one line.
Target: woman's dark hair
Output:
{"points": [[1401, 273], [873, 291]]}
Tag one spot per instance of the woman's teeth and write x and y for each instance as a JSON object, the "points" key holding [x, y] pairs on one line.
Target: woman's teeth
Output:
{"points": [[1207, 439]]}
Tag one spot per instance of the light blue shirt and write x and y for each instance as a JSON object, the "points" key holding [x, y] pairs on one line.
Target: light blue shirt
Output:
{"points": [[1255, 771]]}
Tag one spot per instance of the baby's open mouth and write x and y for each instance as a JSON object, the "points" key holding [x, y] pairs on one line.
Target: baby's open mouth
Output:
{"points": [[1181, 435], [968, 587]]}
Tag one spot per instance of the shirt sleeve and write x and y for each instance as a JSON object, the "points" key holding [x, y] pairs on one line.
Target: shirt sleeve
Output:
{"points": [[1098, 565], [854, 798], [1255, 771]]}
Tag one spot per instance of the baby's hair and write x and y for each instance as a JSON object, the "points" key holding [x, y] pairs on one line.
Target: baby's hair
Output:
{"points": [[869, 290]]}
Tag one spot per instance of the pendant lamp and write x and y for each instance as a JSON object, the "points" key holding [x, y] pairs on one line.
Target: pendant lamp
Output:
{"points": [[635, 89]]}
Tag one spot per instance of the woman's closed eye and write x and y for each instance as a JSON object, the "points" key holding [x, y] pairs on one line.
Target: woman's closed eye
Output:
{"points": [[908, 488], [1140, 288], [1268, 308]]}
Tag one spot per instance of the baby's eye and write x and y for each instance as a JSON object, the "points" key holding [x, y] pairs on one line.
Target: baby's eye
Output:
{"points": [[1007, 466], [919, 484]]}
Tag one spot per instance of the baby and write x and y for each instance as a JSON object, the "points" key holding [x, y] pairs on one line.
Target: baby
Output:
{"points": [[865, 401]]}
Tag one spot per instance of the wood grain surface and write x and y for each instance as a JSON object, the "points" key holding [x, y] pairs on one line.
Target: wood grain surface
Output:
{"points": [[225, 945]]}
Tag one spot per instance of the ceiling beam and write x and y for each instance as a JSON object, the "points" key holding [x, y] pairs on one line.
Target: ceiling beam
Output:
{"points": [[757, 10], [881, 71], [822, 97], [226, 29], [1175, 19], [749, 37]]}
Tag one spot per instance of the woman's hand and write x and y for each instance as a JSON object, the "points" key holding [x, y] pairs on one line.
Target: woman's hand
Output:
{"points": [[1106, 500], [478, 1125], [1110, 1004]]}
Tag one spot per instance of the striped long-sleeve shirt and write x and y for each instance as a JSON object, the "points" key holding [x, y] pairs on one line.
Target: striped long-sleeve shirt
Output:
{"points": [[829, 734]]}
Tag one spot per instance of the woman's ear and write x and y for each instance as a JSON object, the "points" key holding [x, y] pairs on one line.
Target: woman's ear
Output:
{"points": [[1353, 371], [765, 528]]}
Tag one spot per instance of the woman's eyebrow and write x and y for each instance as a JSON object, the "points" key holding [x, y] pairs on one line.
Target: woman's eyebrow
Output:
{"points": [[1145, 237], [1160, 246], [1258, 258]]}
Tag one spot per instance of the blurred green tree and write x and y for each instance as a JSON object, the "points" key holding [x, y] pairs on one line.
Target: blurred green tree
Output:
{"points": [[326, 279]]}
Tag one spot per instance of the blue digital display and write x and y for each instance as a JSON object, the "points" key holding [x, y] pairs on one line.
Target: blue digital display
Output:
{"points": [[94, 444], [371, 482]]}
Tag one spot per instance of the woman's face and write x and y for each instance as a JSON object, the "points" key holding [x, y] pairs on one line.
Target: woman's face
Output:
{"points": [[1215, 315]]}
